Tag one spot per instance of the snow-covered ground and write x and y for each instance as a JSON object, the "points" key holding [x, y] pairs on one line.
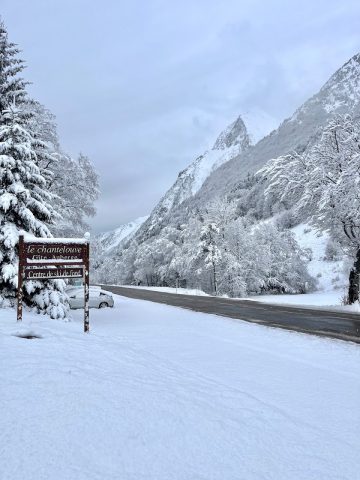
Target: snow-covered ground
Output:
{"points": [[331, 275], [180, 291], [158, 393], [320, 300]]}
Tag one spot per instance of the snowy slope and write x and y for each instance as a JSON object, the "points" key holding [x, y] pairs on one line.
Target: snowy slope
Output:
{"points": [[158, 393], [110, 240], [331, 275]]}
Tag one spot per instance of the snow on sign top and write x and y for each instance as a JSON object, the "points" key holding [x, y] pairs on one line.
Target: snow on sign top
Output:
{"points": [[82, 241]]}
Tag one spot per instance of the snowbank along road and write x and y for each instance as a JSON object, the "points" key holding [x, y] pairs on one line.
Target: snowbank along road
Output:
{"points": [[345, 326]]}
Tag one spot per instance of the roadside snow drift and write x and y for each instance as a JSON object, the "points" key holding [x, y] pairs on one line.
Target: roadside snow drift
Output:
{"points": [[160, 393]]}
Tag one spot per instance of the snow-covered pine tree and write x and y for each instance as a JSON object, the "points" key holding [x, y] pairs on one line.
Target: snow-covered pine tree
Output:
{"points": [[24, 201], [210, 251]]}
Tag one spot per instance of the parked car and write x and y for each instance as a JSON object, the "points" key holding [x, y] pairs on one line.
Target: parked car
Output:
{"points": [[71, 289], [97, 298]]}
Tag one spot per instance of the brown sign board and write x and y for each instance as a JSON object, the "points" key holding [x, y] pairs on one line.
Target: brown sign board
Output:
{"points": [[53, 273], [55, 251], [46, 259]]}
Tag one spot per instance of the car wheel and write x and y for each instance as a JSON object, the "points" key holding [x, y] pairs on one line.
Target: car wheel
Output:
{"points": [[103, 305]]}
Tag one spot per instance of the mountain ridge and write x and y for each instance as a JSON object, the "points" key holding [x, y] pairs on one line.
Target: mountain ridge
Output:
{"points": [[339, 94], [112, 239], [233, 140], [218, 171]]}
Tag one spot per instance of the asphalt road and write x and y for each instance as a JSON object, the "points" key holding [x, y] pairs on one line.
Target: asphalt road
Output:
{"points": [[344, 326]]}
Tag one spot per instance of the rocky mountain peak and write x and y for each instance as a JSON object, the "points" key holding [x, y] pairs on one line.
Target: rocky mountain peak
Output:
{"points": [[343, 86], [340, 94], [235, 134]]}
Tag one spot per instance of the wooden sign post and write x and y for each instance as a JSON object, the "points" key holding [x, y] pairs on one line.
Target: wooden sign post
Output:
{"points": [[20, 278], [54, 258], [86, 289]]}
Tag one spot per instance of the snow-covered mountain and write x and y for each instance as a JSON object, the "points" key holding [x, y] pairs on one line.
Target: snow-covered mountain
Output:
{"points": [[234, 138], [234, 154], [340, 94], [111, 240], [220, 170], [219, 173], [230, 143]]}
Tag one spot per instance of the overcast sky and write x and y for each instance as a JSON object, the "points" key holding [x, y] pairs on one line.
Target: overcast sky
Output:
{"points": [[143, 87]]}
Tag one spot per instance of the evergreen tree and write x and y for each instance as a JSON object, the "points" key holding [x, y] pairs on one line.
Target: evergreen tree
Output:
{"points": [[24, 201], [210, 251]]}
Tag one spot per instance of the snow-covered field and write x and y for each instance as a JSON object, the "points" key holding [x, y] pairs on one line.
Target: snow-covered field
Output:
{"points": [[325, 299], [180, 291], [156, 392]]}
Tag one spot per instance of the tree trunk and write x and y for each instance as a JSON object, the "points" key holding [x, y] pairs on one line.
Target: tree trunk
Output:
{"points": [[215, 281], [354, 278]]}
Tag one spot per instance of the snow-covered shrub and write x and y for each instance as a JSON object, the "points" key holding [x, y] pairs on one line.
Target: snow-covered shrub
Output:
{"points": [[332, 250], [285, 271], [286, 220]]}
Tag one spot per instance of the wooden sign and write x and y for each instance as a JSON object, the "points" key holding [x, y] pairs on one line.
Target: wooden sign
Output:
{"points": [[46, 259]]}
